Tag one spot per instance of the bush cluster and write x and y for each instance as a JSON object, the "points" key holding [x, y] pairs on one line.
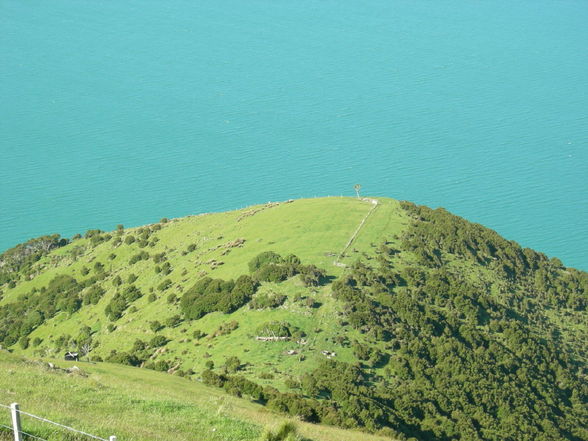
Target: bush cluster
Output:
{"points": [[18, 261], [210, 295], [142, 255], [271, 267], [121, 301], [267, 301]]}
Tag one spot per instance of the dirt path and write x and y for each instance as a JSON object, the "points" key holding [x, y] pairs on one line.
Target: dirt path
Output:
{"points": [[374, 203]]}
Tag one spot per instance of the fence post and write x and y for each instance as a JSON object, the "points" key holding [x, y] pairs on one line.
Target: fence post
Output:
{"points": [[112, 438], [16, 421]]}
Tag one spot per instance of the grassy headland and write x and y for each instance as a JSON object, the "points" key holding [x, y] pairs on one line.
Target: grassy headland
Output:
{"points": [[393, 318]]}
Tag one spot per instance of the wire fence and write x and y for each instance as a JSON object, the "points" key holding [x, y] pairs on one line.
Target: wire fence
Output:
{"points": [[21, 435]]}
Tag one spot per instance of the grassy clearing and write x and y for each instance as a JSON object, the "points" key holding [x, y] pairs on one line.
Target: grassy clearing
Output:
{"points": [[138, 405]]}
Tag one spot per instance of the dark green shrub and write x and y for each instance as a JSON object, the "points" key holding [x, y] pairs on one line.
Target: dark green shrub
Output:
{"points": [[226, 328], [274, 329], [271, 273], [361, 351], [165, 284], [158, 341], [131, 293], [267, 301], [93, 295], [212, 379], [210, 295], [232, 364], [312, 275], [143, 255], [115, 308], [166, 268], [161, 366], [139, 345], [265, 258], [173, 321], [123, 358]]}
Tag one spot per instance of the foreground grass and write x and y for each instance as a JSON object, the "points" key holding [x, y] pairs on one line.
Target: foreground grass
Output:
{"points": [[137, 405]]}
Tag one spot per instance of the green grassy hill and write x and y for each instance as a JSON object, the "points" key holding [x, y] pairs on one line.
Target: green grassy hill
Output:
{"points": [[315, 230], [380, 315]]}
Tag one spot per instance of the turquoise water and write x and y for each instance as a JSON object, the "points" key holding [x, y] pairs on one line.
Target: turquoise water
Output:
{"points": [[128, 111]]}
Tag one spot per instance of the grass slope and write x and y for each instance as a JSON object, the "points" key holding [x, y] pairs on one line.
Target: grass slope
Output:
{"points": [[316, 230], [136, 405]]}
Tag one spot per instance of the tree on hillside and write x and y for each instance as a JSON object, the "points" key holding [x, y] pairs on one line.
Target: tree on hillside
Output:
{"points": [[85, 349]]}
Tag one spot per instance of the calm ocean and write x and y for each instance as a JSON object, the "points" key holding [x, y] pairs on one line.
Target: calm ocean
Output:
{"points": [[128, 111]]}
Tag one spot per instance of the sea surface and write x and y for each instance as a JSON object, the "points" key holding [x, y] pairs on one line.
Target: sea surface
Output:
{"points": [[129, 111]]}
